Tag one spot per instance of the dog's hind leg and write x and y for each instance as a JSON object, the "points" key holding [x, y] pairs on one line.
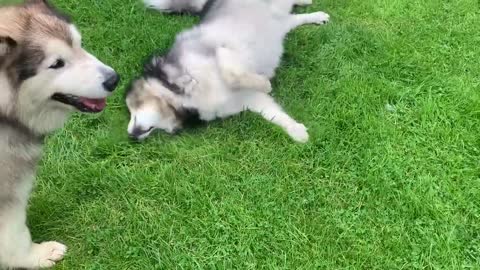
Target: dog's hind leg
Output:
{"points": [[266, 106], [16, 247], [237, 76], [169, 6], [311, 18]]}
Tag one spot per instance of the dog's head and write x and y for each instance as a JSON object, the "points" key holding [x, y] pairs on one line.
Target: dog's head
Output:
{"points": [[155, 100], [44, 72], [150, 110]]}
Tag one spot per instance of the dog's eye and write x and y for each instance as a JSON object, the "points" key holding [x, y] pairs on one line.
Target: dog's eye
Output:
{"points": [[58, 64]]}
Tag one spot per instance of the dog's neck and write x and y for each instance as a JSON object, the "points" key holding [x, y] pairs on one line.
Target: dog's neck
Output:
{"points": [[24, 134], [42, 121]]}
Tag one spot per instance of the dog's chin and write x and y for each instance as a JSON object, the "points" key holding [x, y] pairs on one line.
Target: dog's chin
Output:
{"points": [[83, 104], [143, 136]]}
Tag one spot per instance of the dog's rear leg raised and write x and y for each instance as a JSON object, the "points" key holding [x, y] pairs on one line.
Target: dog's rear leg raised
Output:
{"points": [[311, 18], [176, 5], [267, 107], [16, 247], [237, 76]]}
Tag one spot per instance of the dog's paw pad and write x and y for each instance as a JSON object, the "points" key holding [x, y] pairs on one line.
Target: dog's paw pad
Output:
{"points": [[321, 17], [298, 132], [49, 253]]}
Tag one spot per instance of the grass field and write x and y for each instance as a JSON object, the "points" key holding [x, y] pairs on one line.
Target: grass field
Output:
{"points": [[390, 178]]}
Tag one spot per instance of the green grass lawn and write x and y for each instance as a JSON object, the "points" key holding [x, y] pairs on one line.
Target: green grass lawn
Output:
{"points": [[390, 178]]}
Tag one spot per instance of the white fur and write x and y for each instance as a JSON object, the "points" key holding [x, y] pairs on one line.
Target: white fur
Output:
{"points": [[175, 5]]}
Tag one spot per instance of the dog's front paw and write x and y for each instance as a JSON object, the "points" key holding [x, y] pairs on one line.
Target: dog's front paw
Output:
{"points": [[320, 17], [262, 84], [268, 87], [48, 253], [298, 132], [187, 83]]}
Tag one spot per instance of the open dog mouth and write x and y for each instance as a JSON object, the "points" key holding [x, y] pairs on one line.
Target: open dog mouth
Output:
{"points": [[83, 104]]}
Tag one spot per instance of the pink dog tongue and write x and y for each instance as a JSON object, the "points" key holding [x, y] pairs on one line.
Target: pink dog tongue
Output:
{"points": [[94, 104]]}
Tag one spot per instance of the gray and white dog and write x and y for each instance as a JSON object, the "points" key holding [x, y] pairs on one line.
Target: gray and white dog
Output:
{"points": [[220, 68], [44, 76]]}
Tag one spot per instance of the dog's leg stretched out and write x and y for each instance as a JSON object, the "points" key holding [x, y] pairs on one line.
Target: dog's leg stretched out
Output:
{"points": [[266, 106], [286, 6], [311, 18], [176, 5]]}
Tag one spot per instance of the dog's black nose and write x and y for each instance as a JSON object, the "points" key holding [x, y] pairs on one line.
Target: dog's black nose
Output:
{"points": [[112, 81]]}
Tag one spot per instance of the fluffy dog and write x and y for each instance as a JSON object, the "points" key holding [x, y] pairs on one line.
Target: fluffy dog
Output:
{"points": [[220, 68], [44, 76]]}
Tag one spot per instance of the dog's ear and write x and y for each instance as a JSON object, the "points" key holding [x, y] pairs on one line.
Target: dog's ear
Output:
{"points": [[7, 45], [153, 66]]}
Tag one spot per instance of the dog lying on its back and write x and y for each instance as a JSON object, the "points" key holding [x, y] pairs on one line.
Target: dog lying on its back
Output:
{"points": [[45, 74], [219, 68]]}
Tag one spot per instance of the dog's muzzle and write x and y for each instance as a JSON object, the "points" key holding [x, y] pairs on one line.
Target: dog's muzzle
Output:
{"points": [[111, 82], [139, 134]]}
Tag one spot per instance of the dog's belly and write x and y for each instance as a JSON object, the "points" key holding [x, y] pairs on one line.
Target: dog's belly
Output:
{"points": [[258, 40]]}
